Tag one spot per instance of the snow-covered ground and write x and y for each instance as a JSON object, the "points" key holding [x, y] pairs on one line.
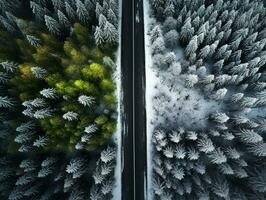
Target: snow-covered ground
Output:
{"points": [[151, 81], [117, 191]]}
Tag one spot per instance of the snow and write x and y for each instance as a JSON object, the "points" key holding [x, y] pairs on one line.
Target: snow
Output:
{"points": [[151, 81], [117, 191], [185, 107], [166, 92]]}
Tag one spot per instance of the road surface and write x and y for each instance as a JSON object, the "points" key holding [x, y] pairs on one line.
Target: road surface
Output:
{"points": [[134, 115]]}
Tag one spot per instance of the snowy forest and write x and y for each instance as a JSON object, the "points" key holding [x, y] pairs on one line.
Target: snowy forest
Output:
{"points": [[209, 99], [58, 108], [65, 113]]}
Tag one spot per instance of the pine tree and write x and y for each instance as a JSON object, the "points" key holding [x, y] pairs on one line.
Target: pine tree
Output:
{"points": [[220, 187], [39, 72], [9, 67], [43, 113], [110, 33], [49, 93], [24, 137], [75, 165], [41, 141], [187, 31], [82, 12], [171, 39], [58, 4], [34, 41], [192, 46], [112, 18], [107, 187], [44, 172], [6, 102], [217, 156], [52, 25], [70, 116], [99, 36], [70, 11], [63, 20], [108, 154]]}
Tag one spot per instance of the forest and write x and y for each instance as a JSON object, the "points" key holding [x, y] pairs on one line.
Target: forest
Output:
{"points": [[208, 122], [68, 125], [57, 99]]}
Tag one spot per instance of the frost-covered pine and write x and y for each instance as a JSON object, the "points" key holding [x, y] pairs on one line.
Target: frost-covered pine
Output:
{"points": [[192, 46], [63, 20], [108, 154], [76, 194], [220, 117], [98, 177], [24, 137], [44, 172], [99, 36], [95, 194], [106, 169], [36, 9], [26, 179], [9, 67], [70, 11], [48, 161], [158, 186], [249, 136], [212, 87], [6, 102], [107, 187], [38, 103], [28, 165], [110, 32], [49, 93], [171, 39], [70, 116], [3, 78], [85, 138], [39, 72], [91, 129], [52, 25], [75, 165], [34, 41], [43, 113], [86, 100], [187, 31], [111, 16], [82, 12], [41, 141]]}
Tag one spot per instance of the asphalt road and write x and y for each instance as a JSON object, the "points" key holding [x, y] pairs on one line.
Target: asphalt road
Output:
{"points": [[134, 114]]}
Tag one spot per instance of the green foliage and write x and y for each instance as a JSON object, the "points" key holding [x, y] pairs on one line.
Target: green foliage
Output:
{"points": [[73, 67]]}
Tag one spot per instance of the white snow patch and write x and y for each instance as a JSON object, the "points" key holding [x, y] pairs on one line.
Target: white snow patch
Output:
{"points": [[117, 191], [179, 52], [151, 81], [181, 106]]}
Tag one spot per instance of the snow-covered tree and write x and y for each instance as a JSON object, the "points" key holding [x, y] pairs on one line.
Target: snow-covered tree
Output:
{"points": [[52, 25], [99, 36], [70, 116], [34, 41], [108, 154], [39, 72], [82, 12], [41, 141], [43, 113], [216, 75], [110, 33], [9, 67], [6, 102], [49, 93]]}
